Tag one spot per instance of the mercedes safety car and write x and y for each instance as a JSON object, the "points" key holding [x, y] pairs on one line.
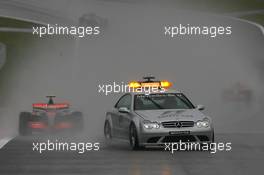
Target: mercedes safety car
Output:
{"points": [[156, 118], [50, 117]]}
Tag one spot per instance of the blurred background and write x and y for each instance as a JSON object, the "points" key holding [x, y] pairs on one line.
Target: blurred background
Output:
{"points": [[224, 73]]}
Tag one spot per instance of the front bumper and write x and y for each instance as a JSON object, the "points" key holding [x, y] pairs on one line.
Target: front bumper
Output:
{"points": [[158, 137]]}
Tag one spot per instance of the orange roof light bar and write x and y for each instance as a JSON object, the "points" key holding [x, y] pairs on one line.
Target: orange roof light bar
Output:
{"points": [[161, 84], [165, 84], [134, 84]]}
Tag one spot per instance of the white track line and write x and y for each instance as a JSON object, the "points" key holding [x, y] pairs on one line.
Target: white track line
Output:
{"points": [[20, 30], [244, 13], [4, 141], [250, 22]]}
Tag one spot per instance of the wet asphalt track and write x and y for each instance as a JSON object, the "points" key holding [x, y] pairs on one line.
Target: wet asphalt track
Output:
{"points": [[247, 153], [17, 157]]}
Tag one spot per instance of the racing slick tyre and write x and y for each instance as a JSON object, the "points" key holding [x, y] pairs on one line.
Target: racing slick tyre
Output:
{"points": [[133, 138], [107, 132], [24, 117]]}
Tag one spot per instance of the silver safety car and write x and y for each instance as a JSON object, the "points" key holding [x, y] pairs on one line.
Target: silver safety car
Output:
{"points": [[156, 118]]}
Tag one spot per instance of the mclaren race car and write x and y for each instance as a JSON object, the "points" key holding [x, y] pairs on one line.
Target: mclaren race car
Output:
{"points": [[50, 117], [157, 117]]}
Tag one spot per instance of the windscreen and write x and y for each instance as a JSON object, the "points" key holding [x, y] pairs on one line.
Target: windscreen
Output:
{"points": [[162, 101]]}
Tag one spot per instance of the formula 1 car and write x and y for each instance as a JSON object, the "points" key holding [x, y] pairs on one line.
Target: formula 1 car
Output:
{"points": [[92, 20], [156, 118], [238, 93], [50, 117]]}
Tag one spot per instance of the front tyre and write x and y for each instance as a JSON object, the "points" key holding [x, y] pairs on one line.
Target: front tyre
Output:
{"points": [[133, 138], [107, 131]]}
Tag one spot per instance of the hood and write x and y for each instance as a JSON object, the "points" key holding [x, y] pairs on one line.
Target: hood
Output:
{"points": [[171, 115]]}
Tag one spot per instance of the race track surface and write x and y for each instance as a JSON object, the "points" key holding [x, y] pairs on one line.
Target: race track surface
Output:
{"points": [[17, 157]]}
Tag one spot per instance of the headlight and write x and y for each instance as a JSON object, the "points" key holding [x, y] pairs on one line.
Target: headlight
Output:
{"points": [[203, 123], [151, 125]]}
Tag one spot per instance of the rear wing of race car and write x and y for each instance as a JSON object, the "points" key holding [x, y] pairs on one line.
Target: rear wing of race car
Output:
{"points": [[50, 106]]}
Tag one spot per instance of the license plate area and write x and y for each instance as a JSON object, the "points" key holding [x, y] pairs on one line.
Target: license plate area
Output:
{"points": [[179, 132]]}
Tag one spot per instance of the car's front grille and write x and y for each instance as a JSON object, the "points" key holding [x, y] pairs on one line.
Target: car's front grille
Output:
{"points": [[183, 138], [177, 124]]}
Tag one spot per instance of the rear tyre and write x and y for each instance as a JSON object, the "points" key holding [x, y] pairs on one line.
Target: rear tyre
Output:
{"points": [[24, 118]]}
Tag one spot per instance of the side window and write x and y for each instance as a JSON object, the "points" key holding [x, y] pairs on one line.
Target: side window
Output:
{"points": [[124, 101]]}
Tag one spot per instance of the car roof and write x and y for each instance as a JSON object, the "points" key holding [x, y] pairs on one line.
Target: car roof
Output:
{"points": [[167, 91]]}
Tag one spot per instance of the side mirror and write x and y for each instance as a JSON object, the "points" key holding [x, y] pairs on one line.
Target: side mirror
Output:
{"points": [[123, 110], [200, 107]]}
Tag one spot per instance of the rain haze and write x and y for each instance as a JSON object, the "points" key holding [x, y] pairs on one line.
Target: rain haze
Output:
{"points": [[133, 45]]}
